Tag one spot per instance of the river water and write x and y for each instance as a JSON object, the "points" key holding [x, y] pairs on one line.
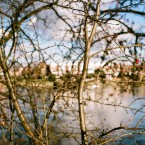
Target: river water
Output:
{"points": [[108, 106]]}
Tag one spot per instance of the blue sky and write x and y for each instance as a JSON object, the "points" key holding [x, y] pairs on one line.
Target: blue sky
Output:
{"points": [[52, 35]]}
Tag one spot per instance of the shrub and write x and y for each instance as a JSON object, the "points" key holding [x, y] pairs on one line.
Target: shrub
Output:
{"points": [[100, 72], [51, 78], [56, 85], [67, 76]]}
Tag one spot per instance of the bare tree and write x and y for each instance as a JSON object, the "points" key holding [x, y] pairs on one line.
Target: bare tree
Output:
{"points": [[100, 31], [13, 16], [84, 32]]}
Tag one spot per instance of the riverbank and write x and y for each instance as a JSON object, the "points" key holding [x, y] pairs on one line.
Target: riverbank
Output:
{"points": [[28, 83], [35, 83], [48, 84]]}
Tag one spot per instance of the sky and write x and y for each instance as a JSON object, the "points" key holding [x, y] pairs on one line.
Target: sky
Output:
{"points": [[51, 30]]}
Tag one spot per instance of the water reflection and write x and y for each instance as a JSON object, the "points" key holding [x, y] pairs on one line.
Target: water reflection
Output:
{"points": [[107, 105]]}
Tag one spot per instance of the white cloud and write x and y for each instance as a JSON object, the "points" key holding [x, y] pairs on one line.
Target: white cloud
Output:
{"points": [[2, 32], [32, 21]]}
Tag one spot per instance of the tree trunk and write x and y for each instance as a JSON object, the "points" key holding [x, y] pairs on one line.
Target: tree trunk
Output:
{"points": [[81, 99], [88, 42], [10, 87]]}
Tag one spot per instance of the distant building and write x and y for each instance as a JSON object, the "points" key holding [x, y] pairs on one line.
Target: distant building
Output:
{"points": [[27, 72], [42, 70]]}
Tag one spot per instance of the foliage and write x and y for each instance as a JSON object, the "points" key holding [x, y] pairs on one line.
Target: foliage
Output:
{"points": [[100, 73], [67, 76], [56, 85], [89, 76], [51, 78]]}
